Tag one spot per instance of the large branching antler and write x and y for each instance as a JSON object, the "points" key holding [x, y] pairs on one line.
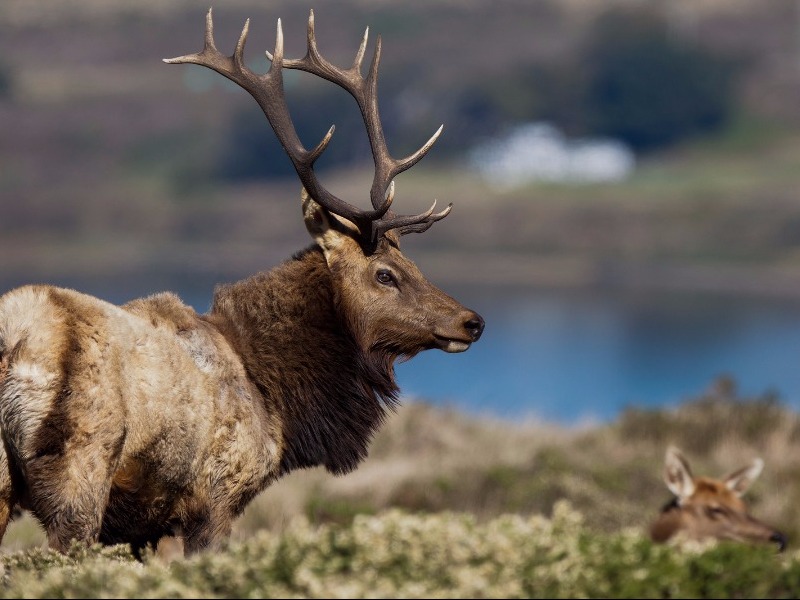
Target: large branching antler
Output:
{"points": [[267, 89]]}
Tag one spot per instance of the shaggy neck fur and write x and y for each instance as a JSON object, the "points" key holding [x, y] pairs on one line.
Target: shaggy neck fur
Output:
{"points": [[296, 346]]}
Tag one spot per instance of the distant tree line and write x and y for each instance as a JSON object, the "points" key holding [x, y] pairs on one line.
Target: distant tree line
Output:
{"points": [[642, 85], [631, 79]]}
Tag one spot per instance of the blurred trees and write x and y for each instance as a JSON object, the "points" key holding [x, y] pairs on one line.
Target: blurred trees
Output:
{"points": [[631, 77], [650, 89]]}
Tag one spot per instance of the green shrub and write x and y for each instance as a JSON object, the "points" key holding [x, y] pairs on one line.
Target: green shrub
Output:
{"points": [[401, 555]]}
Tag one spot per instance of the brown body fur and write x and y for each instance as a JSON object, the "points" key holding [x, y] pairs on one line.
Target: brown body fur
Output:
{"points": [[121, 423]]}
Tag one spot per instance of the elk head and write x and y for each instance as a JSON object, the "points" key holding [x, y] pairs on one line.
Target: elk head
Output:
{"points": [[391, 306], [707, 508]]}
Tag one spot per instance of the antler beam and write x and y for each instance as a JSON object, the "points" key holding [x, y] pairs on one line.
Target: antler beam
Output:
{"points": [[268, 91]]}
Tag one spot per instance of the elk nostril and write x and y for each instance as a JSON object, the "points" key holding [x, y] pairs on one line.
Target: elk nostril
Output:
{"points": [[779, 539], [475, 326]]}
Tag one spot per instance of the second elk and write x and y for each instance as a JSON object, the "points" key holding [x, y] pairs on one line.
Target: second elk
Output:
{"points": [[706, 508]]}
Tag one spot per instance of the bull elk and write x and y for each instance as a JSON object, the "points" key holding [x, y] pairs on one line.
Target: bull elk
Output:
{"points": [[126, 424], [705, 508]]}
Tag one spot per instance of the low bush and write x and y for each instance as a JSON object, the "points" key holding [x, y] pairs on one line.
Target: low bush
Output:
{"points": [[402, 555]]}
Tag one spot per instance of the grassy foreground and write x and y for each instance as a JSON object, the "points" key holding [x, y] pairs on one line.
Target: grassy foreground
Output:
{"points": [[401, 555], [450, 505]]}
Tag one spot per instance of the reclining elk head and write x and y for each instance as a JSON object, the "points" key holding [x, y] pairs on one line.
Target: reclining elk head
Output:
{"points": [[707, 508]]}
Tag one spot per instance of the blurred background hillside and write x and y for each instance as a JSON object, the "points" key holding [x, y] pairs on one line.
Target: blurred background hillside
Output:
{"points": [[601, 156], [124, 173]]}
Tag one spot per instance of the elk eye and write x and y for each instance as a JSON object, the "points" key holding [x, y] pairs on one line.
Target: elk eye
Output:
{"points": [[715, 511], [385, 277]]}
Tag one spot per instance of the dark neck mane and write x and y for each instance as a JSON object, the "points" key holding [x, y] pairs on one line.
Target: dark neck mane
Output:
{"points": [[329, 395]]}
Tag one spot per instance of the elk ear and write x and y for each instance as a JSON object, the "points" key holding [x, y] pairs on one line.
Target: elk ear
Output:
{"points": [[331, 232], [677, 474], [740, 481]]}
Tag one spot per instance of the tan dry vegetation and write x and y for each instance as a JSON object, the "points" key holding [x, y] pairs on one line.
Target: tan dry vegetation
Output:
{"points": [[421, 457]]}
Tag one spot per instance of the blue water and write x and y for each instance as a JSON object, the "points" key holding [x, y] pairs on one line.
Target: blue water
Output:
{"points": [[576, 358], [582, 357]]}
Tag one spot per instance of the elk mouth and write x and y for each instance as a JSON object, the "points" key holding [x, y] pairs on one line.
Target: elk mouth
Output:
{"points": [[451, 345]]}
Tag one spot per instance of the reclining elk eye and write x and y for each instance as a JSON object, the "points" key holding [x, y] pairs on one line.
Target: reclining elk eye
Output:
{"points": [[385, 277]]}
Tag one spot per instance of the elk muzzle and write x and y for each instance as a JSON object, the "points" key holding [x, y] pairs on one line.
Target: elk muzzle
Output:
{"points": [[466, 329]]}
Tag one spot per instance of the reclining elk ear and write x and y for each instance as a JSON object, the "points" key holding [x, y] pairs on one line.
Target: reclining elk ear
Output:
{"points": [[267, 90]]}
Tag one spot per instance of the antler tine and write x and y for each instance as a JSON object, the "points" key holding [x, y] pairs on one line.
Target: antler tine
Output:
{"points": [[208, 45], [414, 223], [417, 156], [231, 67], [315, 153], [361, 50], [238, 54]]}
